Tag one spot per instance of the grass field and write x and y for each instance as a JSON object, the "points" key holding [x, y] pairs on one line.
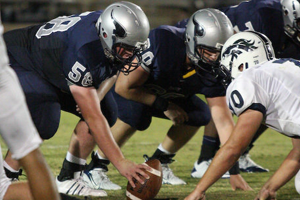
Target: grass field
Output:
{"points": [[269, 151]]}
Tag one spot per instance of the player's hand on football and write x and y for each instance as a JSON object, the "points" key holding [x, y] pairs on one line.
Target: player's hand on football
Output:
{"points": [[176, 114], [237, 182], [265, 194], [133, 171], [195, 195]]}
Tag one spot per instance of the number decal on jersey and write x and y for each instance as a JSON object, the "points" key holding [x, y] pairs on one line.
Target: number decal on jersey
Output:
{"points": [[87, 79], [147, 58], [75, 75], [237, 99], [59, 24], [248, 25]]}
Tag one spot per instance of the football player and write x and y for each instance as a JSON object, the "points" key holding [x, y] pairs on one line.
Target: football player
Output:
{"points": [[178, 64], [263, 90], [258, 15], [73, 60], [21, 137]]}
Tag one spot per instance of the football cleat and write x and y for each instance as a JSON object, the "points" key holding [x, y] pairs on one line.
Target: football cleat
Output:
{"points": [[200, 169], [248, 165], [67, 197], [97, 178], [78, 187], [169, 177], [95, 174]]}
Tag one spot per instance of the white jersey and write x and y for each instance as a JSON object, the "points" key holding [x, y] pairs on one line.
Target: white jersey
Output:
{"points": [[4, 58], [272, 88], [16, 126]]}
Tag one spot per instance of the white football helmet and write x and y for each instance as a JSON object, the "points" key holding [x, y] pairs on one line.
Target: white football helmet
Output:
{"points": [[243, 50], [207, 29], [291, 19], [123, 24]]}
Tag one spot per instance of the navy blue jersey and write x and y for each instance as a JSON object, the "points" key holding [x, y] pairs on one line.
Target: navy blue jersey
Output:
{"points": [[264, 16], [166, 61], [65, 50]]}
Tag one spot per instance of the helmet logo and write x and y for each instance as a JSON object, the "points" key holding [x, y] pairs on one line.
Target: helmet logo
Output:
{"points": [[119, 31], [199, 30], [247, 43], [235, 49], [232, 51]]}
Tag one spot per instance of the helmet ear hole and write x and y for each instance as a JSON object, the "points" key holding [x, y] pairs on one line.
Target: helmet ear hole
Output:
{"points": [[285, 12], [241, 67]]}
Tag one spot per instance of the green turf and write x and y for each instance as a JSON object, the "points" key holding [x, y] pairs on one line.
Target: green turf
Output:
{"points": [[269, 151]]}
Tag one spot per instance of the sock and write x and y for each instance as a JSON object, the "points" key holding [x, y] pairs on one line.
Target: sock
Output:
{"points": [[74, 159], [68, 169], [99, 156], [212, 141], [163, 157], [9, 168], [10, 172], [97, 162], [208, 149], [160, 147]]}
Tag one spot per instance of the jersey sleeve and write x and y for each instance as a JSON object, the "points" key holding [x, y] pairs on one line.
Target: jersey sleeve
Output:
{"points": [[76, 70], [165, 48], [244, 94], [182, 23], [274, 32]]}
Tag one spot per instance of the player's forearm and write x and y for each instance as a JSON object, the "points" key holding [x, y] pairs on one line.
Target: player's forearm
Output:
{"points": [[138, 94], [225, 128], [222, 162], [104, 139], [222, 117], [286, 172], [105, 86]]}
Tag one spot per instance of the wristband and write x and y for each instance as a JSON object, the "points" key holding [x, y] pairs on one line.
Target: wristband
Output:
{"points": [[235, 169], [160, 104]]}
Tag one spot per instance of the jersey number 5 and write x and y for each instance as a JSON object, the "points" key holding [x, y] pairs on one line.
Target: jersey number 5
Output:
{"points": [[75, 75]]}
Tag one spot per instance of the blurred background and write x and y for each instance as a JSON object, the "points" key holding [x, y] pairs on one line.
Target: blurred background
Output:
{"points": [[16, 13]]}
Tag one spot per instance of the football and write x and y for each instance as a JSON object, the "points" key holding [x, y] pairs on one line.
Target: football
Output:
{"points": [[151, 187]]}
